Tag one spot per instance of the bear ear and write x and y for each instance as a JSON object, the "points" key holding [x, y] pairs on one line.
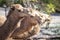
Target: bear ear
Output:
{"points": [[13, 8]]}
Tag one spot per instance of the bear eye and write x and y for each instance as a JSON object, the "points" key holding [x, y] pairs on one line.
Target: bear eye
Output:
{"points": [[19, 10], [13, 8]]}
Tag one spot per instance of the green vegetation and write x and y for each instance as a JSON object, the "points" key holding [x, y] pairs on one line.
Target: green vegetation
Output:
{"points": [[52, 5], [2, 2], [48, 6]]}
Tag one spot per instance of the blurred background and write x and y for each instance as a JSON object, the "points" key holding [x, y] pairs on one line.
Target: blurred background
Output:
{"points": [[46, 5], [50, 7]]}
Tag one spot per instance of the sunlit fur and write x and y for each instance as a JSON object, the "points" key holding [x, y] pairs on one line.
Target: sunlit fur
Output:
{"points": [[44, 18], [29, 26], [11, 22], [2, 20]]}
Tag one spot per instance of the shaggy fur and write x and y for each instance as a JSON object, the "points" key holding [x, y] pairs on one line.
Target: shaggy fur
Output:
{"points": [[10, 24], [29, 27], [43, 19]]}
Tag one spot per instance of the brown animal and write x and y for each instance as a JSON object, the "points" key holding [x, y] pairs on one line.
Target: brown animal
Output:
{"points": [[43, 19], [29, 26], [10, 24]]}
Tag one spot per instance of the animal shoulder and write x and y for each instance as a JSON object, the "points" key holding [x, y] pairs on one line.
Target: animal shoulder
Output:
{"points": [[29, 20]]}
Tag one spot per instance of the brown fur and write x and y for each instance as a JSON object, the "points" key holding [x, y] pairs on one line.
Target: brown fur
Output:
{"points": [[10, 23], [43, 19], [28, 24], [29, 27]]}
